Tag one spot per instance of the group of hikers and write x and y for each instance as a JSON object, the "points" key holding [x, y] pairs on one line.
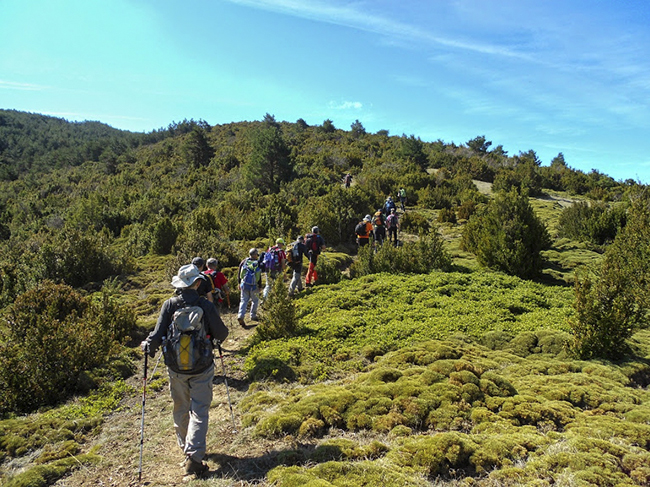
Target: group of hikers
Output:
{"points": [[274, 262], [385, 221], [189, 325]]}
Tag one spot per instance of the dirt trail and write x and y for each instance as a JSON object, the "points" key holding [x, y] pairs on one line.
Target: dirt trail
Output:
{"points": [[234, 458]]}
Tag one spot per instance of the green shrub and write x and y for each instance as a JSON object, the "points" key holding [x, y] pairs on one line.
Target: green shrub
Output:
{"points": [[420, 257], [44, 475], [592, 222], [163, 236], [613, 301], [328, 271], [437, 453], [507, 236], [447, 215], [279, 317], [414, 222], [52, 335], [78, 259]]}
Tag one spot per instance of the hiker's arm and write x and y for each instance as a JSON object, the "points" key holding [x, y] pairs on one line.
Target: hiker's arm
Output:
{"points": [[215, 324], [155, 338]]}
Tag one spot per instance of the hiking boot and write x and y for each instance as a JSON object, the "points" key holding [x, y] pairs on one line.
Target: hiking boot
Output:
{"points": [[193, 467], [255, 318], [241, 321]]}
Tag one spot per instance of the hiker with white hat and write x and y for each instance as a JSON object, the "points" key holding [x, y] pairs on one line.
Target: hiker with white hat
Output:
{"points": [[188, 317]]}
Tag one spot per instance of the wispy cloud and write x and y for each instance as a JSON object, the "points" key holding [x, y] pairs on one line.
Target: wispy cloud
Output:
{"points": [[12, 85], [349, 16], [346, 105]]}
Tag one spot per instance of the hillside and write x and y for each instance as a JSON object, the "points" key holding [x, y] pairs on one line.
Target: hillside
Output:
{"points": [[420, 365], [441, 408]]}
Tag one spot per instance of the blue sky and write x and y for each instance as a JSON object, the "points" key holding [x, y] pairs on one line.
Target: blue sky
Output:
{"points": [[553, 76]]}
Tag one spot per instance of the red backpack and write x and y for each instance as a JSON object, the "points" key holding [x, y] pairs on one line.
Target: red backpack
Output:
{"points": [[312, 242]]}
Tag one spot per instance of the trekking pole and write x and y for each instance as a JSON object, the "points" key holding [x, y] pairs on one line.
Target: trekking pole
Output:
{"points": [[144, 395], [157, 362], [225, 380]]}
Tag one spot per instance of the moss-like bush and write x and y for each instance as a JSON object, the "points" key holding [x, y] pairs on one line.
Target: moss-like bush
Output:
{"points": [[44, 475]]}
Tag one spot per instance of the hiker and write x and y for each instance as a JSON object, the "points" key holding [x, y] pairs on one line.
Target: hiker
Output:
{"points": [[363, 231], [295, 254], [392, 225], [250, 282], [206, 287], [275, 263], [389, 205], [315, 245], [219, 282], [347, 180], [402, 199], [379, 228], [190, 379]]}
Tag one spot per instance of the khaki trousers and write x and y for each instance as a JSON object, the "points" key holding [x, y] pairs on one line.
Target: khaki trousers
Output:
{"points": [[192, 396]]}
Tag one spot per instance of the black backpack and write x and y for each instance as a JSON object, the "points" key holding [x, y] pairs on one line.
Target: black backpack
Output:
{"points": [[360, 229], [187, 349]]}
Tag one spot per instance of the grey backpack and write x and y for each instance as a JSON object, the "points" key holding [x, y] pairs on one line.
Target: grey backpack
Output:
{"points": [[187, 348]]}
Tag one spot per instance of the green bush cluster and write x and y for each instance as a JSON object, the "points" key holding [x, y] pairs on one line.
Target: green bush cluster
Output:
{"points": [[420, 257], [415, 222], [21, 435], [328, 268], [592, 222], [508, 236], [44, 475], [431, 386], [51, 337], [279, 317], [612, 301]]}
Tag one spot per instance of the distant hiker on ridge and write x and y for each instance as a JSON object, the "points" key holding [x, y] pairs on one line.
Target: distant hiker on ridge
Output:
{"points": [[392, 225], [402, 198], [379, 228], [347, 180]]}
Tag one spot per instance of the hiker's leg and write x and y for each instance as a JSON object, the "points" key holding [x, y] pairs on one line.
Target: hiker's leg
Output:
{"points": [[269, 285], [296, 281], [255, 299], [314, 273], [201, 393], [243, 303], [180, 392], [298, 274]]}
